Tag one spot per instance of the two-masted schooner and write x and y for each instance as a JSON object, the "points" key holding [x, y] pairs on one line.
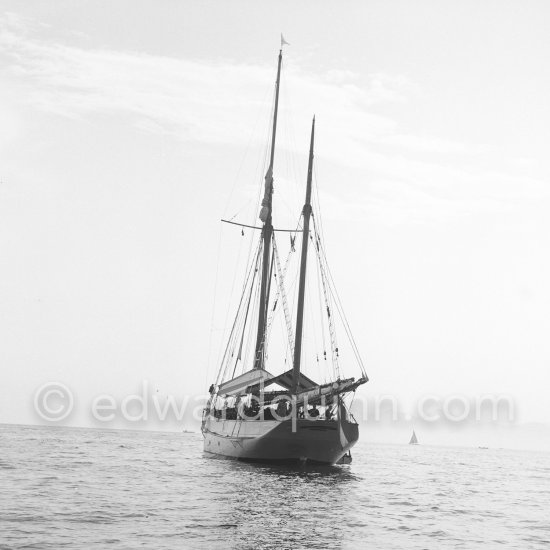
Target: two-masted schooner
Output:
{"points": [[253, 413]]}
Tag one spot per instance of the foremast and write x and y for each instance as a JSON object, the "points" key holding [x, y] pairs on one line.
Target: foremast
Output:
{"points": [[303, 267], [267, 233]]}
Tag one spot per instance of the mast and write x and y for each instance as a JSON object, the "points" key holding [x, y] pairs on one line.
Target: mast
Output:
{"points": [[303, 266], [267, 232]]}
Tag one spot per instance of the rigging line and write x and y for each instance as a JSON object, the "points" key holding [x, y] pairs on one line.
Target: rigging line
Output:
{"points": [[312, 318], [318, 201], [209, 358], [284, 272], [292, 249], [260, 176], [268, 293], [321, 316], [251, 259], [291, 132], [259, 192], [230, 350], [234, 323], [240, 210], [228, 311], [331, 327], [261, 167], [348, 330], [251, 328], [339, 306], [288, 153], [244, 322], [254, 126], [332, 287], [286, 344], [257, 299], [322, 319], [255, 268], [282, 293]]}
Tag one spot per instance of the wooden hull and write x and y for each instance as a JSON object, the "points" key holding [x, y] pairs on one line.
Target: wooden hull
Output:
{"points": [[319, 441]]}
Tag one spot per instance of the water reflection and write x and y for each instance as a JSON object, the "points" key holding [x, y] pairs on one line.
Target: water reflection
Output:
{"points": [[332, 473], [286, 506]]}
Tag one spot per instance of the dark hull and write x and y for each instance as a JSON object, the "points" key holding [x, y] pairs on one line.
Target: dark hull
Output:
{"points": [[312, 441]]}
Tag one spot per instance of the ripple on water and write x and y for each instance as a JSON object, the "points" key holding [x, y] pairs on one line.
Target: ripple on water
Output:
{"points": [[74, 489]]}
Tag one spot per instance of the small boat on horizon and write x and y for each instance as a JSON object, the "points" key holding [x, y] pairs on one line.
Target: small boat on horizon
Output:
{"points": [[414, 439]]}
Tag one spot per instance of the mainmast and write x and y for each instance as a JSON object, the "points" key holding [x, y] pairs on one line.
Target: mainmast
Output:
{"points": [[303, 266], [267, 232]]}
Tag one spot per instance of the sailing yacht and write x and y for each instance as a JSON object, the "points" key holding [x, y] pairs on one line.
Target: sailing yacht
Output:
{"points": [[414, 440], [258, 409]]}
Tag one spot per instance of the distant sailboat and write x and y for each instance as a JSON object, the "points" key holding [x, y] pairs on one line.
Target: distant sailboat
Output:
{"points": [[414, 440]]}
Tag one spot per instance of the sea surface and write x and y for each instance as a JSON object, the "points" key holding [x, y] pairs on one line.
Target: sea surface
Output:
{"points": [[83, 488]]}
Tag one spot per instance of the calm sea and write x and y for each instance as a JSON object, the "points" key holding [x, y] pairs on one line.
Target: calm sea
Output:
{"points": [[78, 488]]}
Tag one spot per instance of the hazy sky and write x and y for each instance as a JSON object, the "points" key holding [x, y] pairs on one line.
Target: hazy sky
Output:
{"points": [[129, 128]]}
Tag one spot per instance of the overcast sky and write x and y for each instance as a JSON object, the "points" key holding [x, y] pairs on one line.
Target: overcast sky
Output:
{"points": [[129, 128]]}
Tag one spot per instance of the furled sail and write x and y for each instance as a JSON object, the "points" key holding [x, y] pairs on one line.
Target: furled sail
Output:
{"points": [[239, 384], [328, 391], [266, 202], [313, 396]]}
